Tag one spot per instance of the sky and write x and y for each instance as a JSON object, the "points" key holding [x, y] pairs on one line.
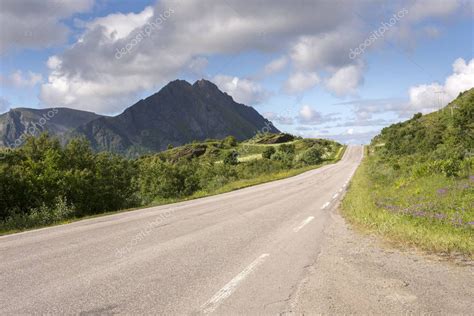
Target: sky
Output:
{"points": [[316, 68]]}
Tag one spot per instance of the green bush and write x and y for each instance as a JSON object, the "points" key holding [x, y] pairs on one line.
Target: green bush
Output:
{"points": [[313, 155], [287, 149], [229, 142], [284, 158], [163, 179], [268, 152], [231, 158]]}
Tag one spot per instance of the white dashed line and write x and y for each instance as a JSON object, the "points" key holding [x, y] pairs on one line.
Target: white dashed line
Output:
{"points": [[325, 205], [335, 196], [303, 223], [230, 287]]}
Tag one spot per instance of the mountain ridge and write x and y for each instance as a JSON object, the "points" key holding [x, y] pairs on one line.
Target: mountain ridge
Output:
{"points": [[177, 114]]}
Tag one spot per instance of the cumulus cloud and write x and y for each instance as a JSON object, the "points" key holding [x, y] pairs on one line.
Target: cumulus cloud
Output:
{"points": [[242, 90], [275, 65], [87, 75], [308, 115], [118, 25], [422, 9], [281, 119], [301, 81], [19, 80], [36, 24], [315, 36], [429, 97], [345, 80]]}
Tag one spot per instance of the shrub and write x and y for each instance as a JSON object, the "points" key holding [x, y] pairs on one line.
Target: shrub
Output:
{"points": [[287, 148], [313, 155], [268, 152], [231, 158], [285, 158], [229, 142]]}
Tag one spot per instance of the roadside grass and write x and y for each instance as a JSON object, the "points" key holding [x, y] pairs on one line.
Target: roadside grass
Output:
{"points": [[231, 186], [433, 213]]}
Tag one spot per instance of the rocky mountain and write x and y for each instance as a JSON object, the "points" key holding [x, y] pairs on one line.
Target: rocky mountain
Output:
{"points": [[179, 113], [20, 122]]}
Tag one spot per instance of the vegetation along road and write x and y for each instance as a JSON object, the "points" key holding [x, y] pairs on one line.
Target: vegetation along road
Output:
{"points": [[278, 247]]}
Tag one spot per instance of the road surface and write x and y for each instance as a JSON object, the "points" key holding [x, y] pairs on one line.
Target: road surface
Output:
{"points": [[251, 251]]}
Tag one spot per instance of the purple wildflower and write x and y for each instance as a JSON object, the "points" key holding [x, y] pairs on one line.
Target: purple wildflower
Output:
{"points": [[442, 191], [439, 216]]}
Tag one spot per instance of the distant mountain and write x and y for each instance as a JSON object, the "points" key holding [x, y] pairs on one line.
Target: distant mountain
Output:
{"points": [[178, 114], [57, 121]]}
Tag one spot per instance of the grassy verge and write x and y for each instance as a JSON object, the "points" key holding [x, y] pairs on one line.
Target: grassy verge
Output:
{"points": [[431, 213], [231, 186]]}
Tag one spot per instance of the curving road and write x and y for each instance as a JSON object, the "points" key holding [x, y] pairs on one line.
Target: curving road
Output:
{"points": [[243, 252]]}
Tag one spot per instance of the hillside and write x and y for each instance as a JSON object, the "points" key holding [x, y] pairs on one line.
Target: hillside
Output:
{"points": [[416, 184], [43, 182], [179, 113], [57, 121], [441, 134]]}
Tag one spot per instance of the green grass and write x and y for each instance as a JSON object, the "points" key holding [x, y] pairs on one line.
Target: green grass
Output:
{"points": [[431, 213]]}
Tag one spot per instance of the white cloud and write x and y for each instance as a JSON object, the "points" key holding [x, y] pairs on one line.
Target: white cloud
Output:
{"points": [[242, 90], [119, 25], [315, 35], [36, 24], [308, 115], [19, 80], [4, 105], [281, 119], [422, 9], [301, 81], [276, 65], [328, 50], [346, 80], [429, 97]]}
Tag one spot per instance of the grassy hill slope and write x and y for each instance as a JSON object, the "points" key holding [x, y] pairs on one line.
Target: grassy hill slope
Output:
{"points": [[416, 183]]}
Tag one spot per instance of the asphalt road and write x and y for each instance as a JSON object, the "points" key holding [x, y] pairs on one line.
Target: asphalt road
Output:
{"points": [[243, 252]]}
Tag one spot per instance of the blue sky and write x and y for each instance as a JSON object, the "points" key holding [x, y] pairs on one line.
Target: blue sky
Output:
{"points": [[289, 60]]}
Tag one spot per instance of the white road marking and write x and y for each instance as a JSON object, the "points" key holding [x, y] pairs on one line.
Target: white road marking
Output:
{"points": [[303, 223], [230, 287], [335, 196], [325, 205]]}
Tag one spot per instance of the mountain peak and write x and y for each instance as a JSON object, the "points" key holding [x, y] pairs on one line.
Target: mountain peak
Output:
{"points": [[203, 83]]}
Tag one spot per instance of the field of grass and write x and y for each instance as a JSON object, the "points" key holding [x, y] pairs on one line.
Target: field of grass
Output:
{"points": [[433, 213]]}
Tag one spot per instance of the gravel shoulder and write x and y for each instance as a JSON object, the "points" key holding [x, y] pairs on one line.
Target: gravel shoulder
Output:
{"points": [[358, 274]]}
